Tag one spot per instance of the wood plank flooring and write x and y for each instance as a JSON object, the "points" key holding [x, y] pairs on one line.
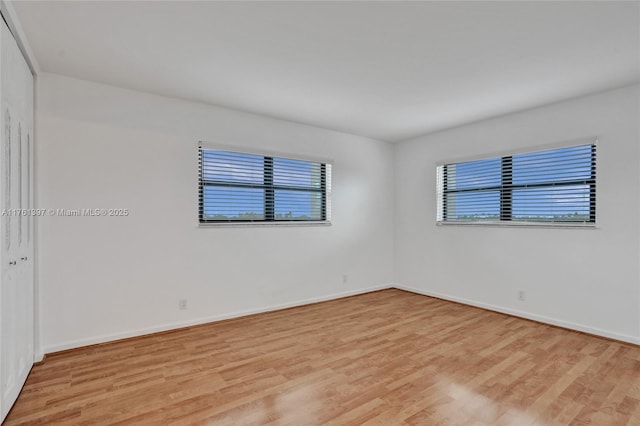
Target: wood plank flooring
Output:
{"points": [[383, 358]]}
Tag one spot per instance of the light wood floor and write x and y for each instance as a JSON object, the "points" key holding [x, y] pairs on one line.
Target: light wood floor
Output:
{"points": [[386, 358]]}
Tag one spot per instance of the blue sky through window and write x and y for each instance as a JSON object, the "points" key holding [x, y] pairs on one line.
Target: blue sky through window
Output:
{"points": [[565, 164], [230, 202], [474, 174], [236, 188], [232, 167], [566, 201], [287, 172], [541, 186], [483, 205]]}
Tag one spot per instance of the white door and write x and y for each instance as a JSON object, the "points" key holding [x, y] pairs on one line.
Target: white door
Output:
{"points": [[16, 248]]}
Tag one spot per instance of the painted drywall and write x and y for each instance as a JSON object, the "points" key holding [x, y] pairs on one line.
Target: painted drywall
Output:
{"points": [[585, 279], [105, 278], [102, 278]]}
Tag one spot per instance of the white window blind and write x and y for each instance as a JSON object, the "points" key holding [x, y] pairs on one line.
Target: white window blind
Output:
{"points": [[552, 186], [243, 187]]}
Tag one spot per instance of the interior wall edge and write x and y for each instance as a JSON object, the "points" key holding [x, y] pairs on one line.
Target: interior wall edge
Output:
{"points": [[526, 315], [518, 112], [38, 355], [15, 26]]}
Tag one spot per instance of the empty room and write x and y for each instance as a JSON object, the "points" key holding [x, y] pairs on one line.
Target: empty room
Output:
{"points": [[320, 213]]}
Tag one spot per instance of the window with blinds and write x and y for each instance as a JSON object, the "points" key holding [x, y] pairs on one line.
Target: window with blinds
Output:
{"points": [[242, 187], [556, 186]]}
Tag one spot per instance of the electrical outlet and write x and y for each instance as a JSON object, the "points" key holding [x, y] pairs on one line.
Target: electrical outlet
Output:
{"points": [[522, 296], [345, 278], [182, 304]]}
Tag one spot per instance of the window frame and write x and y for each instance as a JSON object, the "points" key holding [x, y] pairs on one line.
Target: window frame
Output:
{"points": [[269, 188], [506, 188]]}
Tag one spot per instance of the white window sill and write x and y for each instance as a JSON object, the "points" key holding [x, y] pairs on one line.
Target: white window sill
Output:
{"points": [[507, 224], [262, 224]]}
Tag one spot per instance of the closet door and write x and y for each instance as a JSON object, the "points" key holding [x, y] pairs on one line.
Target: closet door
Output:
{"points": [[16, 271]]}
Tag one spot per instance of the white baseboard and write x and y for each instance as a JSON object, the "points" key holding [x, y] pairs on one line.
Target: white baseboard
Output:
{"points": [[527, 315], [198, 321], [166, 327]]}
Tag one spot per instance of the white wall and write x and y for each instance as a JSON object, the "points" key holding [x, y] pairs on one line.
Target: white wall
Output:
{"points": [[105, 278], [579, 278]]}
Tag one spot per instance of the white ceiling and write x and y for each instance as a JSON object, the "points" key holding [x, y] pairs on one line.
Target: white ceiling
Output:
{"points": [[387, 70]]}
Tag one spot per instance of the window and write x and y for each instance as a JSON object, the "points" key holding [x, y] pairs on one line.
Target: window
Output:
{"points": [[553, 186], [241, 187]]}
